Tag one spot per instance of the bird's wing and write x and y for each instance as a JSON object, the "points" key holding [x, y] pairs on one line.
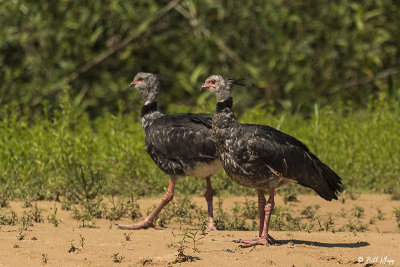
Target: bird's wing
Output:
{"points": [[292, 159], [279, 151], [182, 136]]}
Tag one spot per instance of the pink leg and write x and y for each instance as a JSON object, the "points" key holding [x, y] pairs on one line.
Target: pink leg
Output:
{"points": [[209, 197], [261, 209], [148, 222], [264, 238], [268, 212]]}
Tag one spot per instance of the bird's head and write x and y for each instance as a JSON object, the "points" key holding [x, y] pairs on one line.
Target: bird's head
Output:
{"points": [[147, 84], [220, 86]]}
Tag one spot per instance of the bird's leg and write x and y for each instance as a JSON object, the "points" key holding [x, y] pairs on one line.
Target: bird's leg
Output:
{"points": [[148, 222], [264, 238], [261, 209], [268, 212], [209, 197]]}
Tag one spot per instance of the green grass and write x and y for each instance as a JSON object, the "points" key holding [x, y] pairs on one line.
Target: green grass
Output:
{"points": [[65, 153]]}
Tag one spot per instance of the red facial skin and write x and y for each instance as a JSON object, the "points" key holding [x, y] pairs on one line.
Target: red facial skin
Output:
{"points": [[136, 82], [208, 84]]}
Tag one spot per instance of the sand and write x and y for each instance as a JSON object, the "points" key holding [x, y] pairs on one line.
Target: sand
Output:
{"points": [[43, 244]]}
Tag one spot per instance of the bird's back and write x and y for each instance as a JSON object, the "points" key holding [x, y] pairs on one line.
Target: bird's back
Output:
{"points": [[260, 156], [181, 143]]}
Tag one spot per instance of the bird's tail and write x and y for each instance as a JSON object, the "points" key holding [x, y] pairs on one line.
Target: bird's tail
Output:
{"points": [[324, 181]]}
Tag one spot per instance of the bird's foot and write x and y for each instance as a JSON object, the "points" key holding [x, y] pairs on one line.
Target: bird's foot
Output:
{"points": [[137, 226], [256, 241], [211, 227]]}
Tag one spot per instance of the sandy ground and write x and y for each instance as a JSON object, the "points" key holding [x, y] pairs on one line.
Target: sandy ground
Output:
{"points": [[46, 245]]}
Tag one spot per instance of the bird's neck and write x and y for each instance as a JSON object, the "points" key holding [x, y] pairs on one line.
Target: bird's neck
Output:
{"points": [[150, 94], [149, 113], [224, 116], [148, 108], [224, 105]]}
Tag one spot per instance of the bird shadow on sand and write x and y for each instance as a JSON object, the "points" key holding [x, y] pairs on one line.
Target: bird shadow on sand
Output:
{"points": [[322, 244]]}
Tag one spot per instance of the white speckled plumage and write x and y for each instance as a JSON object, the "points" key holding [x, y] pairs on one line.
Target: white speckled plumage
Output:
{"points": [[180, 144], [262, 157]]}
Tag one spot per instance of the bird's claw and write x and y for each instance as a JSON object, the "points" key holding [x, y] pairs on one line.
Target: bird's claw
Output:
{"points": [[256, 241], [137, 226]]}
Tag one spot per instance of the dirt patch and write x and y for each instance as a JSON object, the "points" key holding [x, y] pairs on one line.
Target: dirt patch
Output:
{"points": [[70, 245]]}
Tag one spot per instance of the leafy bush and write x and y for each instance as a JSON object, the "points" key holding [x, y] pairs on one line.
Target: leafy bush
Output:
{"points": [[65, 153], [295, 53]]}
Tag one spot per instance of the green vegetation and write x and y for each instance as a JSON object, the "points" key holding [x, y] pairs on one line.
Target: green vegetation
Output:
{"points": [[45, 258], [127, 236], [117, 258], [242, 216], [8, 218], [64, 154], [325, 73], [397, 215], [72, 247], [296, 53], [52, 217], [356, 226], [358, 212]]}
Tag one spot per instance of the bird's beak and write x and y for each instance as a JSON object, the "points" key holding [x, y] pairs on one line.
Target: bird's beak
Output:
{"points": [[132, 84], [204, 87]]}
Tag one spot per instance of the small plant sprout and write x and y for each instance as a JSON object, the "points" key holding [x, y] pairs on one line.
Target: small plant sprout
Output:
{"points": [[354, 226], [52, 217], [250, 209], [358, 212], [181, 256], [372, 220], [127, 236], [380, 215], [397, 215], [72, 247], [8, 219], [21, 236], [82, 241], [203, 222], [328, 223], [193, 237], [343, 213], [45, 258], [27, 203], [117, 258], [308, 212], [36, 214], [4, 199]]}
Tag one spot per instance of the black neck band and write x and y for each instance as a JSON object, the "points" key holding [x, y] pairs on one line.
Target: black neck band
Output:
{"points": [[149, 108], [224, 104]]}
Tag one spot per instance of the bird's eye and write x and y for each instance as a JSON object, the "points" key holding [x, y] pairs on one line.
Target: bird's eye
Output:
{"points": [[139, 80], [213, 81]]}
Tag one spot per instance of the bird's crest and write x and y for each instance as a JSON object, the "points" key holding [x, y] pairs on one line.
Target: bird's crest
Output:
{"points": [[239, 82]]}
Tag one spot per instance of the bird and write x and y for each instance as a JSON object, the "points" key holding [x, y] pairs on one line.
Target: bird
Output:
{"points": [[264, 158], [180, 145]]}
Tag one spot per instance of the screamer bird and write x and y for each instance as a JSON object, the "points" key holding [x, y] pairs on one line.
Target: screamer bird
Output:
{"points": [[179, 144], [262, 157]]}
